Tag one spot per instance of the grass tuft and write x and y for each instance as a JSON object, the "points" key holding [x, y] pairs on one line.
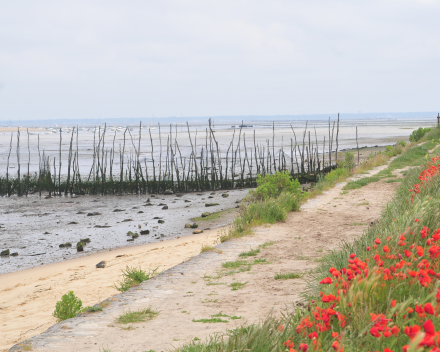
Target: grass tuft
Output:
{"points": [[288, 276], [137, 316]]}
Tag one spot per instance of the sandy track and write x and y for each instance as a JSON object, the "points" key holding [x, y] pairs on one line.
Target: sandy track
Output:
{"points": [[185, 293]]}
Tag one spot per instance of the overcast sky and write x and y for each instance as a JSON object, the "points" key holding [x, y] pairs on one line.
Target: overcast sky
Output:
{"points": [[91, 59]]}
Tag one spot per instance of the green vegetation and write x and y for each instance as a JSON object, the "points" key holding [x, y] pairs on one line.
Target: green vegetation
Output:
{"points": [[132, 276], [237, 285], [361, 183], [418, 134], [251, 253], [207, 248], [214, 216], [69, 306], [287, 276], [211, 320], [137, 316]]}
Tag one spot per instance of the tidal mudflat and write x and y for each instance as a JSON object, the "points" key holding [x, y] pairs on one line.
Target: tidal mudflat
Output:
{"points": [[35, 227]]}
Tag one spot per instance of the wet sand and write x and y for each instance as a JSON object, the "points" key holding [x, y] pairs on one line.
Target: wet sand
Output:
{"points": [[34, 227]]}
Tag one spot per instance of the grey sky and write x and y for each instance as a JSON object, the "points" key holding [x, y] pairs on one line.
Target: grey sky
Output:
{"points": [[83, 59]]}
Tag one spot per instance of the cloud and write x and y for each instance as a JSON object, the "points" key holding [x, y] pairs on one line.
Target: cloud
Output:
{"points": [[109, 58]]}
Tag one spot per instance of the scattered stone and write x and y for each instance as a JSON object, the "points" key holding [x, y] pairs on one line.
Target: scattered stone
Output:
{"points": [[161, 221], [80, 246], [140, 212], [148, 205], [72, 223], [120, 255], [187, 226], [168, 191], [178, 195], [153, 195], [62, 245], [102, 226], [200, 194], [161, 204], [94, 214], [210, 197], [225, 195], [135, 235], [211, 204], [85, 240], [80, 212], [162, 235], [145, 232], [204, 215], [4, 253], [208, 228], [15, 254], [187, 201], [130, 240], [237, 206], [157, 217], [101, 264], [212, 193], [127, 220], [46, 233], [68, 244], [118, 210], [165, 207], [195, 232], [238, 201], [194, 226]]}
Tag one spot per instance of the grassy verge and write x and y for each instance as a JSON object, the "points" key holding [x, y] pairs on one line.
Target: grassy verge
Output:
{"points": [[379, 293]]}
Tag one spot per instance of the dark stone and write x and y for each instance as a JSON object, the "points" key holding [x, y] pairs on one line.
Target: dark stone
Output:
{"points": [[93, 214], [195, 232], [68, 244], [102, 226], [14, 254], [80, 246], [118, 210], [135, 235], [4, 253], [225, 195], [165, 207], [80, 212], [204, 215], [211, 204], [85, 240], [187, 201], [161, 204], [148, 205], [168, 191], [72, 223], [101, 264], [126, 220], [194, 226], [157, 217], [130, 240], [210, 197], [62, 245], [145, 232], [161, 221], [140, 212], [212, 193]]}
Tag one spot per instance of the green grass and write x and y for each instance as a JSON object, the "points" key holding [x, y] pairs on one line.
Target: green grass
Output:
{"points": [[393, 181], [132, 276], [287, 276], [137, 316], [361, 183], [235, 264], [211, 320], [237, 285], [267, 244], [251, 253], [207, 248]]}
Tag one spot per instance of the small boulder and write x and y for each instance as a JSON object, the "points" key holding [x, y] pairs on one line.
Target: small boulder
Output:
{"points": [[80, 246], [168, 191], [68, 244], [211, 204], [62, 245], [194, 226], [165, 207], [145, 232], [85, 240], [127, 220], [160, 221], [187, 201], [135, 235], [188, 226], [14, 254], [130, 240], [225, 195], [195, 232], [210, 197], [101, 264], [72, 223], [118, 210], [4, 253], [204, 215], [93, 214]]}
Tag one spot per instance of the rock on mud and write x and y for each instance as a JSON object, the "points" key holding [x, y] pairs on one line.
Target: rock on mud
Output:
{"points": [[101, 264], [94, 214]]}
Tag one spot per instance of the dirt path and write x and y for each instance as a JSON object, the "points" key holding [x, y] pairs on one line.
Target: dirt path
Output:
{"points": [[194, 290]]}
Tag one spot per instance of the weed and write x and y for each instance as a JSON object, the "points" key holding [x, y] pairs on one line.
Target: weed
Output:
{"points": [[132, 276], [212, 320], [69, 306], [252, 252], [259, 261], [137, 316], [237, 285], [234, 265], [361, 183], [392, 181], [267, 244], [358, 224], [209, 300], [287, 276], [207, 248], [363, 203]]}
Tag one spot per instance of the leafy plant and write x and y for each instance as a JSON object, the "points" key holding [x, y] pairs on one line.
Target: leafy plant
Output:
{"points": [[349, 161], [137, 316], [418, 134], [271, 186], [69, 307]]}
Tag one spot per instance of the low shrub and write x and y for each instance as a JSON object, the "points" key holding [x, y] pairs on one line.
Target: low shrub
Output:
{"points": [[69, 306], [132, 276], [418, 134], [271, 186]]}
